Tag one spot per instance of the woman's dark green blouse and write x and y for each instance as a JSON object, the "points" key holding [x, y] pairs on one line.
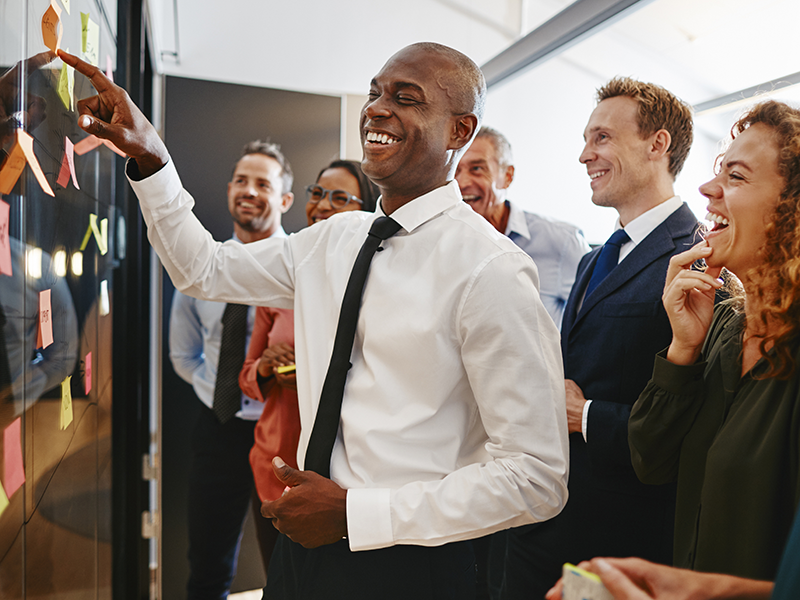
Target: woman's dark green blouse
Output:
{"points": [[733, 445]]}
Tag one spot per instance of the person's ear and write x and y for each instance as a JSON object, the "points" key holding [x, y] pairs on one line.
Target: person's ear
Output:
{"points": [[506, 177], [464, 128], [661, 144], [286, 201]]}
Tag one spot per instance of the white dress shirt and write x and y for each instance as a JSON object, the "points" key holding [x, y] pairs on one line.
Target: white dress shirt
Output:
{"points": [[453, 424], [637, 230]]}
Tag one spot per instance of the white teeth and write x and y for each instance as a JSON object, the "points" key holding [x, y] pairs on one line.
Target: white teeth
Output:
{"points": [[715, 218], [380, 138], [597, 174], [470, 198]]}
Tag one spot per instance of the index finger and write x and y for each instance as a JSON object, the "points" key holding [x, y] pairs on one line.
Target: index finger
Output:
{"points": [[99, 79], [37, 61]]}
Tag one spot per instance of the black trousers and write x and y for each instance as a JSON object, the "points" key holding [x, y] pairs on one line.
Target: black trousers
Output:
{"points": [[333, 572]]}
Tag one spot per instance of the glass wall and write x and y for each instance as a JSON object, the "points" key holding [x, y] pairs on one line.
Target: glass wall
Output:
{"points": [[61, 236]]}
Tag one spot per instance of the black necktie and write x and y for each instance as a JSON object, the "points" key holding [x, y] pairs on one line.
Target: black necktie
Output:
{"points": [[608, 259], [227, 395], [326, 424]]}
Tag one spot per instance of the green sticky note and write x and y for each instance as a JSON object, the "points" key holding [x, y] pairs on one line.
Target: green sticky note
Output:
{"points": [[90, 39], [66, 83]]}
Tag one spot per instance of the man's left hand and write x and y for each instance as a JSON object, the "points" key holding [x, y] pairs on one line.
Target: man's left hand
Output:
{"points": [[575, 404], [313, 512]]}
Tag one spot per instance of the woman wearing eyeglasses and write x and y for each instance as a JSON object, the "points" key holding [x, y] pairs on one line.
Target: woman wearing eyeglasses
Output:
{"points": [[268, 372], [340, 187]]}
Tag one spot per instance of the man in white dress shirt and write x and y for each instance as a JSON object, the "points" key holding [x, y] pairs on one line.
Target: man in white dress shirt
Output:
{"points": [[453, 423]]}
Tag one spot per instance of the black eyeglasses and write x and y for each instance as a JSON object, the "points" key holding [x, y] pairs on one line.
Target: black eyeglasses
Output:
{"points": [[338, 198]]}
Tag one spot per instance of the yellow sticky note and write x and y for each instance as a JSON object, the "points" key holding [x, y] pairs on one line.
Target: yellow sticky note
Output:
{"points": [[90, 39], [52, 29], [100, 234], [66, 5], [3, 499], [66, 85], [66, 404]]}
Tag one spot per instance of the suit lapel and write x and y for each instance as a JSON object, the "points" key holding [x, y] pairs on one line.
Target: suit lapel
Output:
{"points": [[660, 241]]}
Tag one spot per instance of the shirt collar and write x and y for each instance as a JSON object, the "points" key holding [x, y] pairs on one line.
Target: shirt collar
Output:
{"points": [[517, 223], [279, 233], [423, 208], [644, 224]]}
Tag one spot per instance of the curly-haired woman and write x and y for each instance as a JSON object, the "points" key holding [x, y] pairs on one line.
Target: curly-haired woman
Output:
{"points": [[722, 412]]}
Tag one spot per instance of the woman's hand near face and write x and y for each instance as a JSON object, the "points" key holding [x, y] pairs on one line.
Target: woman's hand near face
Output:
{"points": [[689, 301], [278, 355]]}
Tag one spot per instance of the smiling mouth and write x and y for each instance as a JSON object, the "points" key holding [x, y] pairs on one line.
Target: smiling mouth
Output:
{"points": [[597, 175], [718, 222], [383, 139], [470, 198]]}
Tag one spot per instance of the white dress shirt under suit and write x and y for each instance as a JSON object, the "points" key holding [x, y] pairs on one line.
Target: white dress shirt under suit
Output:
{"points": [[453, 424]]}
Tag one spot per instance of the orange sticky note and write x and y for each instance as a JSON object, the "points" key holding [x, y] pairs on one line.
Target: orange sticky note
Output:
{"points": [[3, 500], [113, 148], [5, 247], [45, 319], [52, 29], [68, 166], [12, 169], [66, 404], [88, 382], [12, 448]]}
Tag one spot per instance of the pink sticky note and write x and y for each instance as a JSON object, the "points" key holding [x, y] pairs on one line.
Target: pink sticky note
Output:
{"points": [[88, 373], [68, 166], [87, 145], [109, 68], [5, 247], [12, 447], [45, 318]]}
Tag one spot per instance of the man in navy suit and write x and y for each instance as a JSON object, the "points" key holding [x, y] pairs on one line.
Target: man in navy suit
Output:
{"points": [[637, 140]]}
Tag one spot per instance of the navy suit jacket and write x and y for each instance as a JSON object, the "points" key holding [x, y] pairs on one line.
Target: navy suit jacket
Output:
{"points": [[609, 346]]}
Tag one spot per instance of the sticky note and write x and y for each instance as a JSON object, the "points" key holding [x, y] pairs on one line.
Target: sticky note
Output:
{"points": [[52, 29], [12, 449], [66, 404], [100, 234], [5, 246], [90, 39], [45, 320], [3, 500], [68, 166], [12, 169], [66, 5], [66, 86], [109, 68], [90, 143], [104, 304], [88, 369]]}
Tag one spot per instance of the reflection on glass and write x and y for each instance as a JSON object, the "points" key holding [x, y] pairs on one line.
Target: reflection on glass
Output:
{"points": [[77, 264], [34, 262], [60, 263]]}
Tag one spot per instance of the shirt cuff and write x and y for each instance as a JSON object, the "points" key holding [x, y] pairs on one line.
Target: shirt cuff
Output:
{"points": [[585, 419], [161, 187], [369, 521], [677, 379]]}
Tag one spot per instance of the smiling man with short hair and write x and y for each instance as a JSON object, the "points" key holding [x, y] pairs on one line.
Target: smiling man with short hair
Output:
{"points": [[451, 421]]}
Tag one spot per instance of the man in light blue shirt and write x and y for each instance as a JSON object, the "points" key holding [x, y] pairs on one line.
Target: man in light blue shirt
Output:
{"points": [[221, 480], [484, 175]]}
